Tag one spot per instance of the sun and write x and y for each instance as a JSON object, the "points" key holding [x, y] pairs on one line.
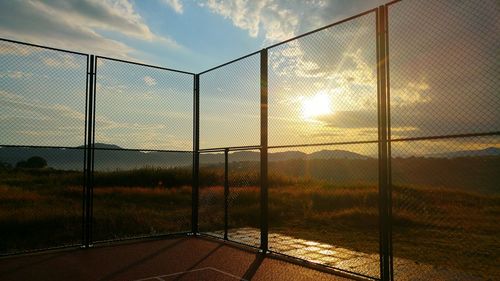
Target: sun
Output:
{"points": [[315, 106]]}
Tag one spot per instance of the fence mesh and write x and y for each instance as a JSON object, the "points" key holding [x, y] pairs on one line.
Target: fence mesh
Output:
{"points": [[444, 105], [211, 201], [141, 194], [40, 204], [323, 205], [445, 209], [444, 76], [323, 199], [143, 107], [244, 197], [323, 87], [444, 82], [42, 103], [42, 95], [230, 105]]}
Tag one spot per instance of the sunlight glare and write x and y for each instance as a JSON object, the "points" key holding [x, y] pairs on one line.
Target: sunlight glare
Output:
{"points": [[316, 105]]}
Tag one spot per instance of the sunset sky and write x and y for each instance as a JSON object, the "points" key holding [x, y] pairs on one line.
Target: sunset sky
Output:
{"points": [[322, 88]]}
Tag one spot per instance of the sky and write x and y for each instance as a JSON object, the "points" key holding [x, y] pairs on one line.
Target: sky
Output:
{"points": [[182, 34], [322, 88]]}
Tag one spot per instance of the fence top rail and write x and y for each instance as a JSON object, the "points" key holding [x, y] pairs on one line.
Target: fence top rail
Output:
{"points": [[229, 62], [291, 39], [208, 70], [43, 47], [392, 2], [146, 65]]}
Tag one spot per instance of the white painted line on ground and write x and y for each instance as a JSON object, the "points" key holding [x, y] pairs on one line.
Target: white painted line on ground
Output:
{"points": [[160, 277]]}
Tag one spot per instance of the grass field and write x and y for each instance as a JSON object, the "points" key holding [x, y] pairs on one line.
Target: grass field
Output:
{"points": [[437, 225]]}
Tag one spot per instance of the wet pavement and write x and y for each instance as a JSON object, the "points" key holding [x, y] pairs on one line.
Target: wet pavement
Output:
{"points": [[342, 258]]}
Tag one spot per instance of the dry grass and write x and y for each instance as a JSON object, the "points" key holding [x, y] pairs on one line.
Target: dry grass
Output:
{"points": [[434, 225]]}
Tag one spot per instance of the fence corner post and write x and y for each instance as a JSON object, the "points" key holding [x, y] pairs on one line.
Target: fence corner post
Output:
{"points": [[264, 219], [385, 208], [196, 155]]}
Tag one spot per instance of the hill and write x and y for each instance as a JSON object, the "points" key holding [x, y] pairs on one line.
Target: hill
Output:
{"points": [[111, 157], [490, 151]]}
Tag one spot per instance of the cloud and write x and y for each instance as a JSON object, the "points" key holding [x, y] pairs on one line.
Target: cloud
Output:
{"points": [[176, 5], [413, 93], [14, 49], [351, 119], [30, 121], [349, 79], [35, 122], [150, 81], [278, 20], [15, 74], [61, 61], [77, 25]]}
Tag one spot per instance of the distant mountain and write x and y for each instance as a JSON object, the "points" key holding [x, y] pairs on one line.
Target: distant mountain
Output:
{"points": [[103, 146], [335, 154], [280, 156], [490, 151], [287, 155], [110, 157]]}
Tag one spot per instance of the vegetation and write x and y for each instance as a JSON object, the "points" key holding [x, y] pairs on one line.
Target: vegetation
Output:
{"points": [[34, 162], [435, 221]]}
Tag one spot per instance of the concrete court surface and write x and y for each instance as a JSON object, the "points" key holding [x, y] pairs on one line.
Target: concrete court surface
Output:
{"points": [[179, 259]]}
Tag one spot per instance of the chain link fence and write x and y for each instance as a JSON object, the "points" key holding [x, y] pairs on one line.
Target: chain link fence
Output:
{"points": [[323, 134], [230, 107], [211, 209], [445, 119], [323, 206], [67, 158], [243, 197], [283, 149], [230, 104], [42, 122], [323, 86], [142, 153]]}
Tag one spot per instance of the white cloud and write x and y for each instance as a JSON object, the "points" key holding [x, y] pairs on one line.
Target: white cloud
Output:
{"points": [[14, 49], [15, 74], [77, 25], [412, 93], [278, 20], [39, 123], [61, 61], [150, 81], [176, 5]]}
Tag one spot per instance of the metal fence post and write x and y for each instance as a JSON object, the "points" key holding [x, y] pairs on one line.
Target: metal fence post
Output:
{"points": [[89, 155], [389, 151], [264, 219], [384, 169], [85, 149], [226, 192], [196, 156]]}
